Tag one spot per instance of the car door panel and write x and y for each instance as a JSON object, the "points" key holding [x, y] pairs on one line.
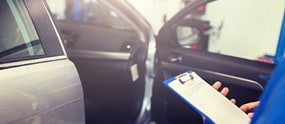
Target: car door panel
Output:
{"points": [[44, 98], [227, 65], [87, 37], [234, 82]]}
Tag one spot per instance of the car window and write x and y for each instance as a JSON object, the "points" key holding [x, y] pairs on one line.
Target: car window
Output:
{"points": [[18, 37], [88, 11], [244, 29]]}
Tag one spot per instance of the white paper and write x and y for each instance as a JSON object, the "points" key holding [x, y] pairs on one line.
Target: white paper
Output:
{"points": [[207, 100]]}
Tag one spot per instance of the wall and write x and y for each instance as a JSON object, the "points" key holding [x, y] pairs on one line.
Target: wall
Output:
{"points": [[154, 10]]}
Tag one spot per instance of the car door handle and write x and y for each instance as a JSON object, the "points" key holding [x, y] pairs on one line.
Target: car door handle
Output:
{"points": [[175, 58]]}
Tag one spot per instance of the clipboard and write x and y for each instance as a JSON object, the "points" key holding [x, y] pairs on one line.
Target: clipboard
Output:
{"points": [[205, 100]]}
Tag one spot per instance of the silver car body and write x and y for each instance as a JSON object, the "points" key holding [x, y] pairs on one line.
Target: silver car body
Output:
{"points": [[37, 88]]}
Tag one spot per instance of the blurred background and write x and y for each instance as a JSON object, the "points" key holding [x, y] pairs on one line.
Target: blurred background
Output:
{"points": [[257, 23], [262, 17]]}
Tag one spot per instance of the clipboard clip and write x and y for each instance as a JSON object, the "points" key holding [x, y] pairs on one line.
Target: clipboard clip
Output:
{"points": [[185, 77]]}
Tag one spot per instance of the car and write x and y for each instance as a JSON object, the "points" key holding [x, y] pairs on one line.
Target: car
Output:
{"points": [[39, 84], [122, 62]]}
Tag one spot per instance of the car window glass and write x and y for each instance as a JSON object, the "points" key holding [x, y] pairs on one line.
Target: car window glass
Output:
{"points": [[88, 11], [18, 37], [244, 29]]}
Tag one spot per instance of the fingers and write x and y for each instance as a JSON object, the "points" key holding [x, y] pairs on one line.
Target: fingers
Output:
{"points": [[217, 85], [250, 115], [225, 91], [233, 101], [249, 106]]}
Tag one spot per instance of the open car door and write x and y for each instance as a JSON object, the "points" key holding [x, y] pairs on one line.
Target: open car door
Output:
{"points": [[208, 37], [108, 41]]}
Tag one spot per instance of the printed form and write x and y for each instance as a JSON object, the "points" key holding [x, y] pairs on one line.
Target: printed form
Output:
{"points": [[206, 100]]}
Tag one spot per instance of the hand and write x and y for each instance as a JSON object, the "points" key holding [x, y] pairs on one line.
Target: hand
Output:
{"points": [[225, 91], [248, 107]]}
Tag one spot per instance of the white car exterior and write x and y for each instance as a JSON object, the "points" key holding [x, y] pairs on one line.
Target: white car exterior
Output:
{"points": [[39, 84]]}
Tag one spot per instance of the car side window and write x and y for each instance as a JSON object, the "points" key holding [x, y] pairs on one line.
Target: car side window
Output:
{"points": [[243, 29], [18, 38], [88, 11]]}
